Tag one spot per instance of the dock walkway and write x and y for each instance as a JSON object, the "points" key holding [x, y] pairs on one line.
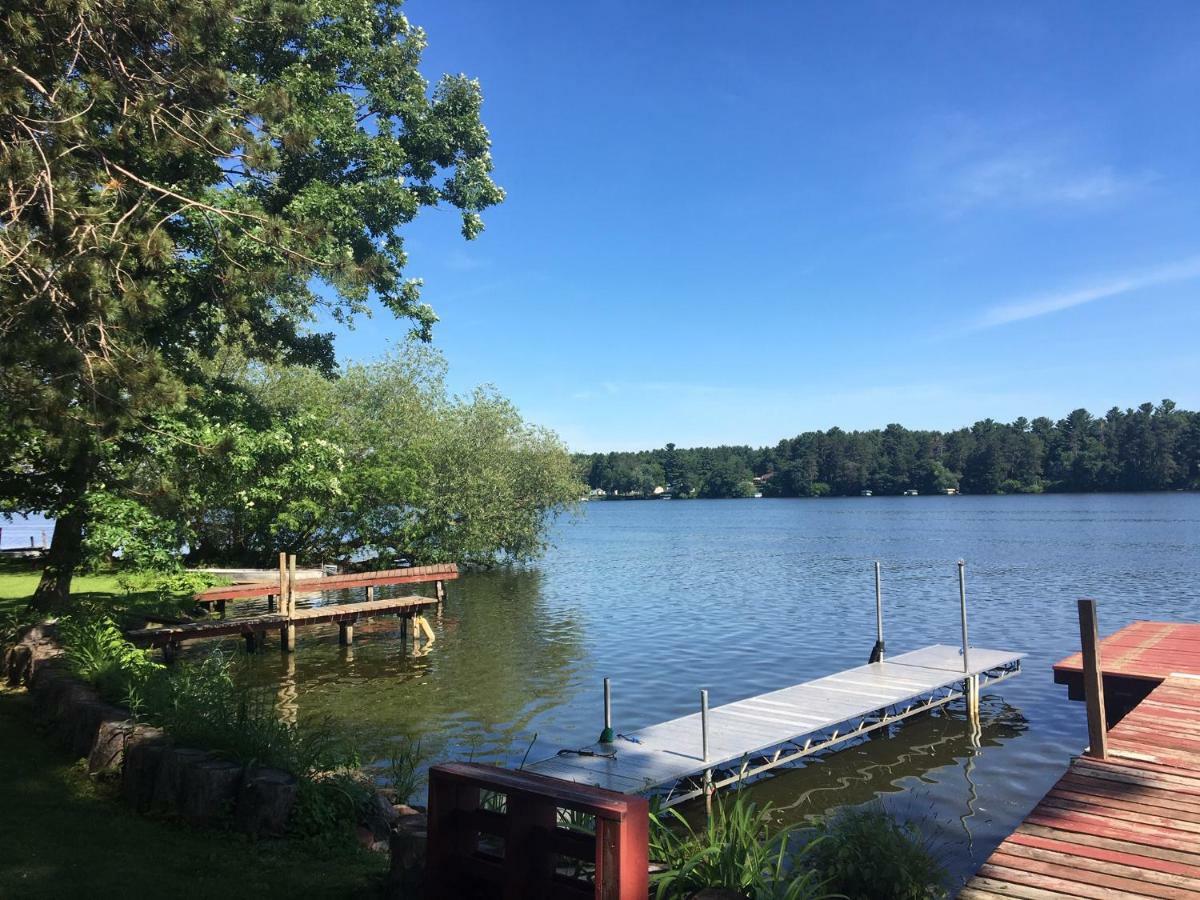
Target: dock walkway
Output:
{"points": [[1127, 826], [750, 736]]}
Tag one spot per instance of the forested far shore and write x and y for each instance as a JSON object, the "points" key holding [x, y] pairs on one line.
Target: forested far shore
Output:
{"points": [[1150, 448]]}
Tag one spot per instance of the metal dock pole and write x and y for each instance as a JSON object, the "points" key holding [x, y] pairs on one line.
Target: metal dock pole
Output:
{"points": [[877, 652], [708, 789], [607, 736], [971, 683]]}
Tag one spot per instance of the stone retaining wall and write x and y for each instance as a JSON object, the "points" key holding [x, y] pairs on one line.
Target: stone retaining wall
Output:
{"points": [[159, 777]]}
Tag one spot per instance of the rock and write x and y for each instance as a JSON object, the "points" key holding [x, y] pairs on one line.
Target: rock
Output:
{"points": [[16, 663], [208, 791], [167, 797], [144, 751], [71, 704], [264, 801], [88, 718], [45, 657], [379, 817], [108, 750], [407, 873], [45, 686]]}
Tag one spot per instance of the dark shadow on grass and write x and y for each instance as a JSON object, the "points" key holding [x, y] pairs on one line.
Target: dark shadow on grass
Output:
{"points": [[62, 834]]}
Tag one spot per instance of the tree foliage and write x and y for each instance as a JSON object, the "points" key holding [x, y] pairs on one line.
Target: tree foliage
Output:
{"points": [[183, 176], [1150, 448], [379, 463]]}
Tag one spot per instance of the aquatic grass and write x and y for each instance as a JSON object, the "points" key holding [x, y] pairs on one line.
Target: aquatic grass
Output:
{"points": [[866, 854], [204, 703], [736, 849], [405, 769]]}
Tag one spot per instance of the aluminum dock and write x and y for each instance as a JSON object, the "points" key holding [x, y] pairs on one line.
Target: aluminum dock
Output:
{"points": [[750, 736]]}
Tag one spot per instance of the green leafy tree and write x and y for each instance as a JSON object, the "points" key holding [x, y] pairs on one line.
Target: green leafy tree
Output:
{"points": [[185, 175]]}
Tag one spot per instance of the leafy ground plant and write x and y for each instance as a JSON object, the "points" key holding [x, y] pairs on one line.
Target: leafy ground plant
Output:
{"points": [[865, 854], [737, 849], [98, 653]]}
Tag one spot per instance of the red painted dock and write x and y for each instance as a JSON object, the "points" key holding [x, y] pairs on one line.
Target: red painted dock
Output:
{"points": [[1144, 651], [1127, 826]]}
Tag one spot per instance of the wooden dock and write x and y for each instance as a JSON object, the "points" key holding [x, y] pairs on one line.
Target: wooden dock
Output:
{"points": [[284, 613], [1124, 821], [693, 755], [1123, 827], [356, 581], [253, 627]]}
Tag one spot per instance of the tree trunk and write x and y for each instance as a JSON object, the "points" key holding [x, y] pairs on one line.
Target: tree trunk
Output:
{"points": [[66, 547]]}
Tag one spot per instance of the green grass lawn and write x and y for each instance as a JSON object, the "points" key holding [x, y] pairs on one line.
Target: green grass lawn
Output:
{"points": [[95, 593], [63, 834], [19, 578]]}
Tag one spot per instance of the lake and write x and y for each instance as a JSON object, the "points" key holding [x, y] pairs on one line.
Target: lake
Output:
{"points": [[744, 596]]}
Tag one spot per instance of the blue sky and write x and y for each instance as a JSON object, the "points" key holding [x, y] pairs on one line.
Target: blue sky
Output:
{"points": [[729, 223]]}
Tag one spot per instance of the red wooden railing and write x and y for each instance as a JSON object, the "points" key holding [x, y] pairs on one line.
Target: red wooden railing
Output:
{"points": [[498, 833]]}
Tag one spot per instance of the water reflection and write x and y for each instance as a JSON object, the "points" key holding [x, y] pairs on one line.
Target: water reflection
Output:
{"points": [[500, 659]]}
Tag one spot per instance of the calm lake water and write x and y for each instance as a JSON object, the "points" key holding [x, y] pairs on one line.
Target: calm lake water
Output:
{"points": [[746, 596]]}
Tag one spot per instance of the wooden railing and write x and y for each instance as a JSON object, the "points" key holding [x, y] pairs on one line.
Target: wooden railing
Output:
{"points": [[498, 833]]}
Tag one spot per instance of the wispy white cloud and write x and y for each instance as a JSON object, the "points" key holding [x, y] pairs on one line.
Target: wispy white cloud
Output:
{"points": [[1032, 307], [963, 165], [649, 388]]}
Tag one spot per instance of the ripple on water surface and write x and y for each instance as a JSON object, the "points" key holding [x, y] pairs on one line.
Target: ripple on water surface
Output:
{"points": [[748, 596]]}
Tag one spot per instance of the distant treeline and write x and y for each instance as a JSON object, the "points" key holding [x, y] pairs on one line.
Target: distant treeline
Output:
{"points": [[1151, 448]]}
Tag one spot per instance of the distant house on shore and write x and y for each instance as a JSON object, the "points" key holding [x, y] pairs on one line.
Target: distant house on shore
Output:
{"points": [[659, 490], [597, 493], [950, 492]]}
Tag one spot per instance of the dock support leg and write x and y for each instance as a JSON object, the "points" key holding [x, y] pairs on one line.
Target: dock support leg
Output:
{"points": [[251, 641], [439, 588], [170, 651], [221, 608], [270, 603], [370, 592], [345, 633], [287, 638], [971, 695]]}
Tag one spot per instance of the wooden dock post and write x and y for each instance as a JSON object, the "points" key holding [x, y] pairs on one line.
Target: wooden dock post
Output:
{"points": [[291, 600], [971, 682], [439, 591], [279, 601], [346, 633], [1093, 680], [370, 592]]}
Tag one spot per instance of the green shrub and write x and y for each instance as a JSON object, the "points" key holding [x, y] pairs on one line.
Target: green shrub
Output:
{"points": [[865, 854], [736, 850]]}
